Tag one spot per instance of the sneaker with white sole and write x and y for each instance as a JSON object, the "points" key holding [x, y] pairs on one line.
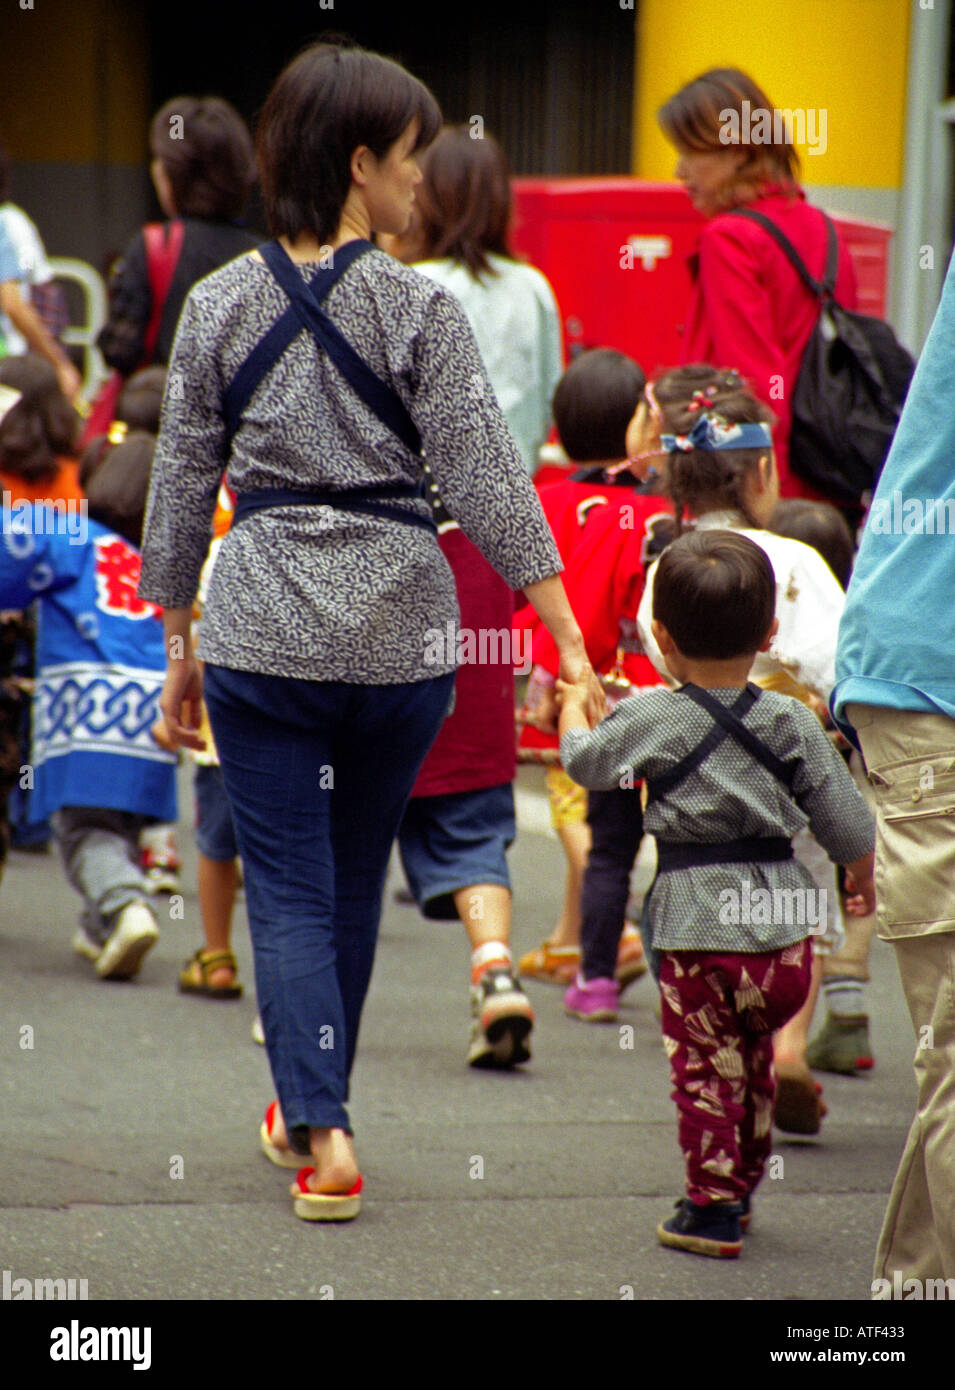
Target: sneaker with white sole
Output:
{"points": [[133, 935], [502, 1019]]}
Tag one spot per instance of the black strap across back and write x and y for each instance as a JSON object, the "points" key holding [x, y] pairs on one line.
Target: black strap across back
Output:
{"points": [[728, 723], [305, 310]]}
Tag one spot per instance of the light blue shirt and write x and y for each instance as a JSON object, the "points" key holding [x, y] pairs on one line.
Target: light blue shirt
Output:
{"points": [[9, 260], [897, 635], [517, 325]]}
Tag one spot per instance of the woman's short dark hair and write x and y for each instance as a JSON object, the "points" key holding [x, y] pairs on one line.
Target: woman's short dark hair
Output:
{"points": [[205, 147], [328, 101], [115, 479], [464, 200], [694, 118], [140, 401], [820, 525], [41, 426], [715, 593], [594, 403]]}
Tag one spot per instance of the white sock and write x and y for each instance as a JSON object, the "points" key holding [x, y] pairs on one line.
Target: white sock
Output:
{"points": [[491, 950], [844, 995]]}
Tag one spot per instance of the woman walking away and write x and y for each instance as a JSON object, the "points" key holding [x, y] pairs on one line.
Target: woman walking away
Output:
{"points": [[462, 241], [748, 308], [323, 687]]}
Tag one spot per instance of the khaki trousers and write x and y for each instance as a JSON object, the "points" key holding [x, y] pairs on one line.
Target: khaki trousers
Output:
{"points": [[911, 764]]}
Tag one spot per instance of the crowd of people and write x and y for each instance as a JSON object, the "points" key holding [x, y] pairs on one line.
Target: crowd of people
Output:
{"points": [[316, 459]]}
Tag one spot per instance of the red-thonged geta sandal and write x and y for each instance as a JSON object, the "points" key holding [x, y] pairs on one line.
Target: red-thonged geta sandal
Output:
{"points": [[285, 1158], [324, 1206]]}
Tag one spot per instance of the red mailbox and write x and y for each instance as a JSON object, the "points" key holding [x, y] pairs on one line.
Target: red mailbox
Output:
{"points": [[615, 251]]}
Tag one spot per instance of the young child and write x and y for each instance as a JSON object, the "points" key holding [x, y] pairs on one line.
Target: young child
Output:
{"points": [[213, 971], [138, 408], [733, 773], [728, 486], [100, 668], [600, 412], [459, 822], [38, 430]]}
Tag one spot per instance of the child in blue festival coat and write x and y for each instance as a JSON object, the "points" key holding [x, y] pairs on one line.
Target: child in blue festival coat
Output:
{"points": [[101, 662]]}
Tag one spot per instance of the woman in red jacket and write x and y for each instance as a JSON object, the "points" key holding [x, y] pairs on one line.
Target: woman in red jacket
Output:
{"points": [[748, 308]]}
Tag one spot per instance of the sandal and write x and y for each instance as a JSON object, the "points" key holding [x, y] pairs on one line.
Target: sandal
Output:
{"points": [[284, 1158], [324, 1206], [194, 977], [799, 1103]]}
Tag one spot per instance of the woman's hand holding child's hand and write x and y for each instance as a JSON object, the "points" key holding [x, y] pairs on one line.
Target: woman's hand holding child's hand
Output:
{"points": [[577, 673], [579, 709]]}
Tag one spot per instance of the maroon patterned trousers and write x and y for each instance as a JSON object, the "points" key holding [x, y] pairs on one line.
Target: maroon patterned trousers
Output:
{"points": [[719, 1016]]}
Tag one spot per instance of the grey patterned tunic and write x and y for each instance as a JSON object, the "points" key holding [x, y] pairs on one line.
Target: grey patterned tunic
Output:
{"points": [[313, 592], [741, 907]]}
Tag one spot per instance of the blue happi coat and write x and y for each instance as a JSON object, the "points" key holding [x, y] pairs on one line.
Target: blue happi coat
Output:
{"points": [[100, 664]]}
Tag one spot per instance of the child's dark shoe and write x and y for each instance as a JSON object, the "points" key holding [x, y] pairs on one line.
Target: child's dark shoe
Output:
{"points": [[711, 1230]]}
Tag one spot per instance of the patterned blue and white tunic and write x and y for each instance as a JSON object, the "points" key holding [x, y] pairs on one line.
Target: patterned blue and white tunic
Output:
{"points": [[100, 666], [314, 592]]}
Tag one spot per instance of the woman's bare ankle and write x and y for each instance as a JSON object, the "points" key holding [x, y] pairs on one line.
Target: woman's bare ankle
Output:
{"points": [[333, 1153]]}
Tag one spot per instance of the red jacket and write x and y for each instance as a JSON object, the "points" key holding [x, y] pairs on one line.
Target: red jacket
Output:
{"points": [[568, 505], [604, 582], [750, 310]]}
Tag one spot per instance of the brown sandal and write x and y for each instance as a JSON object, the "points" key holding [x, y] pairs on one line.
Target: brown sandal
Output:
{"points": [[194, 977]]}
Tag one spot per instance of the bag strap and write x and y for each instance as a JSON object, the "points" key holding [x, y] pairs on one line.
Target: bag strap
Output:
{"points": [[820, 289], [377, 395], [694, 759], [731, 721], [163, 246]]}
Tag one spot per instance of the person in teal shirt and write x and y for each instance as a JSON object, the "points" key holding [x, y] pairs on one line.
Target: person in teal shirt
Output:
{"points": [[895, 698]]}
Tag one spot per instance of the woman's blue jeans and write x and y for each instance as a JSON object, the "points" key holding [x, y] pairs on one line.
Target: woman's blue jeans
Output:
{"points": [[318, 774]]}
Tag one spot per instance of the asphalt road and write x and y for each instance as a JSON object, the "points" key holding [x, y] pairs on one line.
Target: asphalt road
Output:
{"points": [[130, 1154]]}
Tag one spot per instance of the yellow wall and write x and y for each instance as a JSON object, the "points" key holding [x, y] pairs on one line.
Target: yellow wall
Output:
{"points": [[75, 83], [847, 57]]}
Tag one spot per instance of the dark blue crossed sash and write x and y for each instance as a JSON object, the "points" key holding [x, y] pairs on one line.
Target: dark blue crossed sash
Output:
{"points": [[305, 311]]}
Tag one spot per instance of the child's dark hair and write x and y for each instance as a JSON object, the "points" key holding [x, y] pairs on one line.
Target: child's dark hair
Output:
{"points": [[140, 400], [715, 593], [41, 426], [820, 525], [594, 403], [115, 479], [704, 479]]}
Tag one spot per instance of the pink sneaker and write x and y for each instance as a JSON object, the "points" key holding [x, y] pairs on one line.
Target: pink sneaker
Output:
{"points": [[593, 1001]]}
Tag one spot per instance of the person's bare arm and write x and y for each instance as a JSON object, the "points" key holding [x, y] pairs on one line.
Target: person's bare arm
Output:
{"points": [[27, 321]]}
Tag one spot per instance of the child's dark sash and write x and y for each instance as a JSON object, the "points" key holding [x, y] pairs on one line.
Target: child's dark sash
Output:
{"points": [[305, 311], [682, 854]]}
